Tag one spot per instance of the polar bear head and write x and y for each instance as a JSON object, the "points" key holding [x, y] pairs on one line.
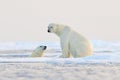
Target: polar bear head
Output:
{"points": [[41, 47], [38, 52], [56, 28]]}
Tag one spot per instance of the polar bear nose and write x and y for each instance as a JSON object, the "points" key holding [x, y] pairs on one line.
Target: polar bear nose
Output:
{"points": [[45, 47], [48, 30]]}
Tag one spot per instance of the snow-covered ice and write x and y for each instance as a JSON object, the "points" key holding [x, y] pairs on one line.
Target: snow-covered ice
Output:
{"points": [[15, 63], [103, 52]]}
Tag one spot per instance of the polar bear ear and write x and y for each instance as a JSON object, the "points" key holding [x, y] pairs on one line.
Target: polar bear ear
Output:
{"points": [[52, 24]]}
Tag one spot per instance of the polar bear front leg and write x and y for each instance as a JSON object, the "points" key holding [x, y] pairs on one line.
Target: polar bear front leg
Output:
{"points": [[65, 54], [65, 50]]}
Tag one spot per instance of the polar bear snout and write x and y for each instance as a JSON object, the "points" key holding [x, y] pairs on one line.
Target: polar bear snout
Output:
{"points": [[43, 47], [51, 27], [48, 30]]}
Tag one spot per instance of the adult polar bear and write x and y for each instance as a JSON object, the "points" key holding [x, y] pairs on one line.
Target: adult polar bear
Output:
{"points": [[72, 43]]}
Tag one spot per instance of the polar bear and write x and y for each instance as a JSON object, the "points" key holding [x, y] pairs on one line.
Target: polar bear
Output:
{"points": [[38, 52], [73, 44]]}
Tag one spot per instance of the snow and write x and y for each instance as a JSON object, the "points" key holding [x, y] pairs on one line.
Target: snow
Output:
{"points": [[104, 52], [25, 45], [16, 63]]}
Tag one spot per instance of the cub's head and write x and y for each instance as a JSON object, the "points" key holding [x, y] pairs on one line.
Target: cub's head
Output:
{"points": [[38, 52], [42, 47]]}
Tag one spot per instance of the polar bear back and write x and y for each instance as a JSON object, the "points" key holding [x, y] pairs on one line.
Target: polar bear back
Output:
{"points": [[79, 44]]}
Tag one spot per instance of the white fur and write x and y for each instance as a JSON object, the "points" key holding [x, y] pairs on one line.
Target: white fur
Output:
{"points": [[38, 52], [72, 43]]}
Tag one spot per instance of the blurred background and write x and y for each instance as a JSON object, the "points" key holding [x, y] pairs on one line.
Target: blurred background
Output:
{"points": [[27, 20]]}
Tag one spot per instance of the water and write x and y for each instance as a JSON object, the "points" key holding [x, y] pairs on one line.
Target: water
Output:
{"points": [[104, 52]]}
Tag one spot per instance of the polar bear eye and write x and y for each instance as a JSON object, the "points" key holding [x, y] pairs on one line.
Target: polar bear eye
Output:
{"points": [[40, 46], [51, 27]]}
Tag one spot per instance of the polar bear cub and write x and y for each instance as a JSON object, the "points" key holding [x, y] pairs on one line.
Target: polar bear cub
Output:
{"points": [[72, 43], [38, 52]]}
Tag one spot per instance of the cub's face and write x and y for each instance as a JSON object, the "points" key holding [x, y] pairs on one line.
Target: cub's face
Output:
{"points": [[38, 52], [41, 48], [52, 28]]}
